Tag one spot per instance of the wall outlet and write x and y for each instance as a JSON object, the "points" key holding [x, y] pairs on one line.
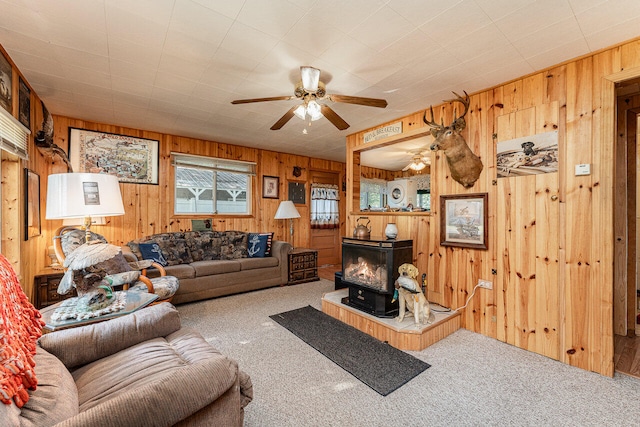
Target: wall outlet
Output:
{"points": [[487, 284]]}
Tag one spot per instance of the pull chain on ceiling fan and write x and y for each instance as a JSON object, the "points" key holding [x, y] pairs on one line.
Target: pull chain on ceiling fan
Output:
{"points": [[311, 90]]}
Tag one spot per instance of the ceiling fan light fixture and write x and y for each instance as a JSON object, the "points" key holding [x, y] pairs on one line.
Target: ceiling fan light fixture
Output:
{"points": [[310, 78], [300, 112], [314, 111], [417, 166]]}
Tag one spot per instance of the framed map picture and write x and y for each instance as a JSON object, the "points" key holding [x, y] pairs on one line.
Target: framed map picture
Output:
{"points": [[131, 159]]}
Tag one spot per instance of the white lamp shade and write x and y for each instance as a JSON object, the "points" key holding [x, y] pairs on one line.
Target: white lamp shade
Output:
{"points": [[287, 210], [78, 195]]}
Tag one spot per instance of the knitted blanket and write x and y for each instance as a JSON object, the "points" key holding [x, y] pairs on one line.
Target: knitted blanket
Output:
{"points": [[20, 327]]}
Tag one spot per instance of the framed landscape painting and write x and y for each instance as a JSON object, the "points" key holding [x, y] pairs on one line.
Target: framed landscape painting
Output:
{"points": [[131, 159], [464, 221]]}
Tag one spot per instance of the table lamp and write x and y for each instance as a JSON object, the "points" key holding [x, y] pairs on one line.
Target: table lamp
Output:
{"points": [[83, 195], [287, 210]]}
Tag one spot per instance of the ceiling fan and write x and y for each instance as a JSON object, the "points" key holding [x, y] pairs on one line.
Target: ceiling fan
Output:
{"points": [[311, 90], [418, 162]]}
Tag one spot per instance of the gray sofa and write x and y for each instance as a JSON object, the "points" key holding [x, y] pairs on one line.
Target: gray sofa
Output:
{"points": [[141, 369], [211, 264]]}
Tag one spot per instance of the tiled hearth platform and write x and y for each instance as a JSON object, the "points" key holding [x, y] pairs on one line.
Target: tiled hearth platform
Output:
{"points": [[403, 336]]}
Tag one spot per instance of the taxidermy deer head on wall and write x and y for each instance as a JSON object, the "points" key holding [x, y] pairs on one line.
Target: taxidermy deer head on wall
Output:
{"points": [[464, 165]]}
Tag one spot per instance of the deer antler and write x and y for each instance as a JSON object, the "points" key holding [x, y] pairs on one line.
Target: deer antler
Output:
{"points": [[458, 122], [435, 127]]}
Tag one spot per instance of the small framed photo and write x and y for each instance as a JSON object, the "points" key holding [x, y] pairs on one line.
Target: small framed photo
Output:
{"points": [[463, 220], [297, 193], [270, 187], [31, 204]]}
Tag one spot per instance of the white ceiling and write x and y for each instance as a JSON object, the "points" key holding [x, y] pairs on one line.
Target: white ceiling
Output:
{"points": [[174, 66]]}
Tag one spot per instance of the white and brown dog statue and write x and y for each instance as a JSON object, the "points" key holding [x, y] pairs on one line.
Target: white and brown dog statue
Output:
{"points": [[411, 297]]}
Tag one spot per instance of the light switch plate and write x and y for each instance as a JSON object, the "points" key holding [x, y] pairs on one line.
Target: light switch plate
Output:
{"points": [[583, 169]]}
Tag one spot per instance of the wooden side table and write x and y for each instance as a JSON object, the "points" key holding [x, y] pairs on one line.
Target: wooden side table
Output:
{"points": [[303, 266], [46, 288]]}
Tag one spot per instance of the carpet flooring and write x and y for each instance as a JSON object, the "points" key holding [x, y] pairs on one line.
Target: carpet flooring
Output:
{"points": [[375, 363], [474, 380]]}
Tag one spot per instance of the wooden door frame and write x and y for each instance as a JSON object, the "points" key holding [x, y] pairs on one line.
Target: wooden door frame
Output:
{"points": [[620, 290], [338, 176]]}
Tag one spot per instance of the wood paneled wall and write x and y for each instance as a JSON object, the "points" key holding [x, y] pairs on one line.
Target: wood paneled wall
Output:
{"points": [[26, 256], [149, 208], [550, 236]]}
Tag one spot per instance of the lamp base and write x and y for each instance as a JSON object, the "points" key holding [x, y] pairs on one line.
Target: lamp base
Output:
{"points": [[87, 229]]}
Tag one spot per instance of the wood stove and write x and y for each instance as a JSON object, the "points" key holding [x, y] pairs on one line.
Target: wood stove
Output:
{"points": [[370, 269]]}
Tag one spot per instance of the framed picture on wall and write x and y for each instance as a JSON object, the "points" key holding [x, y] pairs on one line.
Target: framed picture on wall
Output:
{"points": [[463, 220], [6, 85], [297, 193], [24, 104], [31, 204], [131, 159], [270, 187]]}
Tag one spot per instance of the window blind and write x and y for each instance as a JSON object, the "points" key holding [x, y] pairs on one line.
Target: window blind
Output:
{"points": [[212, 163], [13, 135]]}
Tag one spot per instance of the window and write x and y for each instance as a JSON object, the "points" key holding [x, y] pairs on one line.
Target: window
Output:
{"points": [[424, 199], [372, 193], [207, 185]]}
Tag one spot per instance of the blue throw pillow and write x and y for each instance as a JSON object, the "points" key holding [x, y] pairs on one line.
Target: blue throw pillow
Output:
{"points": [[257, 245], [153, 252]]}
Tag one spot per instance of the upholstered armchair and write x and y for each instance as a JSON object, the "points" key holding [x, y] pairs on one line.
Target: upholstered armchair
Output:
{"points": [[68, 239], [141, 369]]}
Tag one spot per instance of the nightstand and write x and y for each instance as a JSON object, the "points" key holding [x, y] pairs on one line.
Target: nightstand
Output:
{"points": [[303, 266], [46, 288]]}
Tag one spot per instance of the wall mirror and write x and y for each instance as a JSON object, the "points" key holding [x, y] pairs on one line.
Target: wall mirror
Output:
{"points": [[393, 176]]}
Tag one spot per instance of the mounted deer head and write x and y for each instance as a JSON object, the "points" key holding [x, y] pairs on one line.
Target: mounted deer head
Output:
{"points": [[464, 165]]}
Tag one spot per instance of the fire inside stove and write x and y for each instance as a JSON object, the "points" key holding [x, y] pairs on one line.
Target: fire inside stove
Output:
{"points": [[373, 264], [366, 273]]}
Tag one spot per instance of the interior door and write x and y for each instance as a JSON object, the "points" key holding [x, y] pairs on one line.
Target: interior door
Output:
{"points": [[326, 241]]}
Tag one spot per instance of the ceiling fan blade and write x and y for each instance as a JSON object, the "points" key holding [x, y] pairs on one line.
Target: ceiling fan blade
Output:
{"points": [[333, 117], [310, 78], [284, 119], [273, 98], [369, 102]]}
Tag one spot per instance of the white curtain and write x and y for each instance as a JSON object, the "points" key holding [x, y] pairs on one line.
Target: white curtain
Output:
{"points": [[324, 206]]}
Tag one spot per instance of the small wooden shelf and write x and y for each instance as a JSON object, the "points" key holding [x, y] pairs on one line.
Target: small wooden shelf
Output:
{"points": [[303, 266]]}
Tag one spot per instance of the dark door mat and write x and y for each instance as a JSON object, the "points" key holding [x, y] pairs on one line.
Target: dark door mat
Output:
{"points": [[375, 363]]}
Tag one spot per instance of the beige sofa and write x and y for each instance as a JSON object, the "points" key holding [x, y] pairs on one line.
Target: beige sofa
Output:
{"points": [[141, 369], [211, 264]]}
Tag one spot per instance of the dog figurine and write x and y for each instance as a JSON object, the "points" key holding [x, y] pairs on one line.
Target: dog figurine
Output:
{"points": [[410, 296]]}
